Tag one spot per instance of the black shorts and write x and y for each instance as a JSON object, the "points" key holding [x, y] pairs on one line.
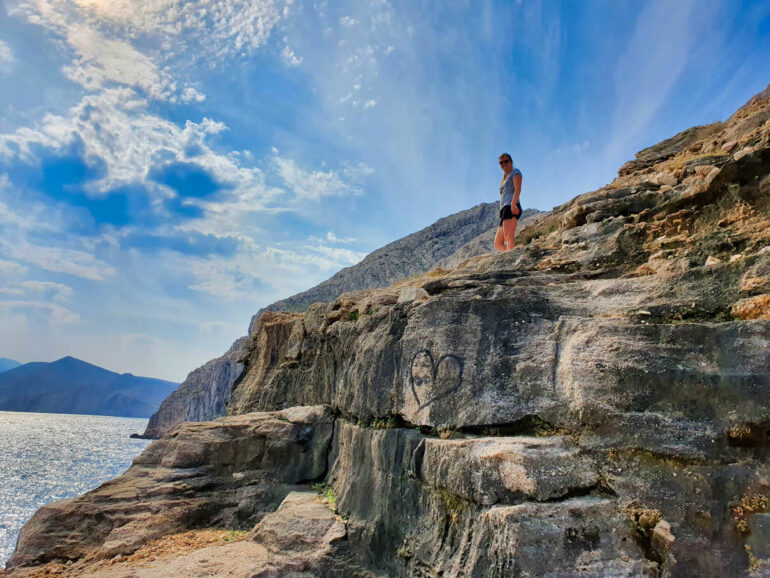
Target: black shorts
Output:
{"points": [[506, 213]]}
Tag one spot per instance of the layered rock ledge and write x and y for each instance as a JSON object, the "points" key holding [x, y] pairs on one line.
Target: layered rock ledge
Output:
{"points": [[594, 402]]}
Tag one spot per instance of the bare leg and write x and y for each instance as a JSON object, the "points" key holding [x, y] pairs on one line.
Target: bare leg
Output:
{"points": [[509, 233], [499, 240]]}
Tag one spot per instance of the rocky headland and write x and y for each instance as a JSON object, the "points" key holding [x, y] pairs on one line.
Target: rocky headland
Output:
{"points": [[595, 402], [205, 392], [202, 396]]}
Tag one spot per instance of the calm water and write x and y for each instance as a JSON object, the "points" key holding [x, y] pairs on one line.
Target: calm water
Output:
{"points": [[45, 457]]}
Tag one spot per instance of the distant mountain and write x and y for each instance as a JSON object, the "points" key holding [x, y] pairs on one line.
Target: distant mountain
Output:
{"points": [[414, 254], [6, 364], [70, 385]]}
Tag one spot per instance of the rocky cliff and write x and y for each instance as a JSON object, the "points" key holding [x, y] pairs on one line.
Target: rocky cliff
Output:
{"points": [[594, 403], [205, 392], [203, 396]]}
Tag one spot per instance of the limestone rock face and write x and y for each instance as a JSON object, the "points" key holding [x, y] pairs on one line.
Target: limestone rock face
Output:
{"points": [[595, 402], [607, 325], [479, 518], [206, 391], [226, 473], [203, 396]]}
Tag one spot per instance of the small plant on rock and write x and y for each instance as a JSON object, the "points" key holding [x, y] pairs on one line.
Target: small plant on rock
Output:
{"points": [[326, 493], [234, 535], [644, 520], [749, 504], [739, 434]]}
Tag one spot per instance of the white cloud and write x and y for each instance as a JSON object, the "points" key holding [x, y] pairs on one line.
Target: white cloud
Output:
{"points": [[116, 131], [289, 58], [190, 94], [150, 45], [339, 256], [263, 275], [39, 289], [653, 62], [312, 185], [356, 172], [332, 238], [370, 103], [50, 313], [7, 59], [60, 260], [222, 27], [102, 61], [348, 22], [8, 268]]}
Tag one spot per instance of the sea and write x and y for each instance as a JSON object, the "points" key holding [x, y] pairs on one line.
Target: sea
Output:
{"points": [[46, 457]]}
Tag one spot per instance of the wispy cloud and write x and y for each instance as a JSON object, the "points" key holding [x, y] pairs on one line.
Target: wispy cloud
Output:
{"points": [[332, 238], [289, 58], [313, 184], [48, 313], [61, 260], [9, 268], [104, 61], [223, 27], [266, 274], [656, 56], [338, 256], [43, 289], [7, 59]]}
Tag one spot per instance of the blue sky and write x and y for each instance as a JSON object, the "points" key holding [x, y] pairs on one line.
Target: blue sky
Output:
{"points": [[167, 168]]}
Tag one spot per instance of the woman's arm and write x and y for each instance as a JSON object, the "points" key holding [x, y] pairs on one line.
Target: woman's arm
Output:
{"points": [[516, 191]]}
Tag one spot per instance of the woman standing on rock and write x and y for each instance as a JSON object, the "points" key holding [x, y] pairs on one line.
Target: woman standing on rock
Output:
{"points": [[510, 209]]}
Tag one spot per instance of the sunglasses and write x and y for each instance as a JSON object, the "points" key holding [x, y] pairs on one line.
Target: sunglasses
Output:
{"points": [[504, 162]]}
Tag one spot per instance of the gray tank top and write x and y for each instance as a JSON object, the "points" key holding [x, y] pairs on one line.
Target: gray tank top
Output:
{"points": [[507, 189]]}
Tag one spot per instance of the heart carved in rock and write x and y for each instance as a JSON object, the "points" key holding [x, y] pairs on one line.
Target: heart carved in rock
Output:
{"points": [[431, 381]]}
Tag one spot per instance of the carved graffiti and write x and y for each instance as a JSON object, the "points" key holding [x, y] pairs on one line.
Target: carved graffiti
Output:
{"points": [[431, 381]]}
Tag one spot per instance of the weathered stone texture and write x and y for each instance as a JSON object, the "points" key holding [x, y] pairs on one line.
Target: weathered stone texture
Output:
{"points": [[226, 473], [615, 324], [446, 524], [203, 396]]}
